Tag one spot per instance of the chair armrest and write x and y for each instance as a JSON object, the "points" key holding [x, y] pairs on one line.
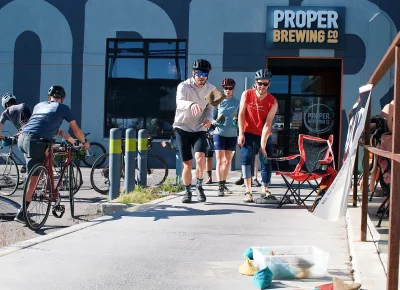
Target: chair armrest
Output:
{"points": [[326, 161], [284, 158]]}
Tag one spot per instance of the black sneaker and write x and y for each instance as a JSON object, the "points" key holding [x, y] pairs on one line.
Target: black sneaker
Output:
{"points": [[221, 191], [187, 198], [23, 169], [256, 183], [200, 194], [240, 181], [20, 217]]}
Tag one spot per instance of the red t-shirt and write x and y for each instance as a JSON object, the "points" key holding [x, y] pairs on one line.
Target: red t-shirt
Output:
{"points": [[256, 112]]}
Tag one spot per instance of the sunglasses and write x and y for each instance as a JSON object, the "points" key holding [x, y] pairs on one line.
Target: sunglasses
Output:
{"points": [[260, 84], [228, 88], [201, 74]]}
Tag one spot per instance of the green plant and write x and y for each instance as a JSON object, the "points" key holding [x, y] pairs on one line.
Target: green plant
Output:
{"points": [[140, 195], [172, 185]]}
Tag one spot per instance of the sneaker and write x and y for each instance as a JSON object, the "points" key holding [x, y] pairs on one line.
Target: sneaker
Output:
{"points": [[187, 198], [200, 194], [256, 183], [20, 217], [248, 197], [240, 181], [209, 181], [227, 190], [23, 169], [221, 191]]}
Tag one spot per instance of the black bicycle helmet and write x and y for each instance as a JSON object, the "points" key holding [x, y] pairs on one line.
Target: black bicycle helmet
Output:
{"points": [[228, 82], [202, 64], [57, 92], [263, 74]]}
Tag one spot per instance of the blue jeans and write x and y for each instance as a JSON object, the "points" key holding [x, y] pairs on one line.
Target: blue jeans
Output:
{"points": [[249, 150]]}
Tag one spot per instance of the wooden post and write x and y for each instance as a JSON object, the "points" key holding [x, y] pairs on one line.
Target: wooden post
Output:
{"points": [[355, 179], [392, 280], [364, 200]]}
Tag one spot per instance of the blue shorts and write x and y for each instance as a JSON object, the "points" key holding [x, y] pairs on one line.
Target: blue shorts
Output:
{"points": [[225, 143]]}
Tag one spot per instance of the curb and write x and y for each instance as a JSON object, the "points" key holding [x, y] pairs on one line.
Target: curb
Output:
{"points": [[366, 262], [108, 209]]}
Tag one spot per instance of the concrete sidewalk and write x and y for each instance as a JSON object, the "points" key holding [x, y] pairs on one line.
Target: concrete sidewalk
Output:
{"points": [[170, 245]]}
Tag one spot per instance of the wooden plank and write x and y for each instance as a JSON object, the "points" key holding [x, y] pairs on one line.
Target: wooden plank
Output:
{"points": [[383, 153], [364, 197], [392, 281], [355, 179]]}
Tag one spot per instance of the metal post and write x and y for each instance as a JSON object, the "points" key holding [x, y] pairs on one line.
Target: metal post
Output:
{"points": [[392, 281], [178, 163], [142, 157], [130, 159], [115, 162]]}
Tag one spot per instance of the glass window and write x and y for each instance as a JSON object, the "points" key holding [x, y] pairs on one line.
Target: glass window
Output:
{"points": [[162, 48], [141, 86], [309, 85], [279, 84], [166, 68], [126, 68]]}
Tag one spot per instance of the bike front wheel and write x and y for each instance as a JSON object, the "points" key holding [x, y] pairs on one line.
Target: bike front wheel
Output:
{"points": [[36, 199], [157, 170], [8, 208], [95, 150], [99, 175]]}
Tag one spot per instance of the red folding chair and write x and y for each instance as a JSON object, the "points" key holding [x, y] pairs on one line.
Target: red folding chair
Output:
{"points": [[316, 162]]}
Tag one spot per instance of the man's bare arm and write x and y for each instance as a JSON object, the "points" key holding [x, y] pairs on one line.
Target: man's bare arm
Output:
{"points": [[268, 125]]}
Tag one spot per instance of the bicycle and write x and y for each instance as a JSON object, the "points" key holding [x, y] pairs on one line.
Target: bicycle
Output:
{"points": [[157, 170], [95, 150], [9, 173], [44, 193]]}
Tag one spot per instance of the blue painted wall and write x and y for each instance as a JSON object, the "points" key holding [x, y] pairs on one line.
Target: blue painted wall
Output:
{"points": [[63, 42]]}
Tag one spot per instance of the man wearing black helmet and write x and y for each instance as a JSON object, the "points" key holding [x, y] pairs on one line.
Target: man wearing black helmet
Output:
{"points": [[193, 117], [18, 115], [256, 113], [45, 123]]}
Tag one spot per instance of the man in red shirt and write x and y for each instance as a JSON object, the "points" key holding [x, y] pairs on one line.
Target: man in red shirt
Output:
{"points": [[256, 113]]}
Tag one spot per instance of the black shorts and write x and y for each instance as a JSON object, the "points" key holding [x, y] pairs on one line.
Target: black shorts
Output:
{"points": [[188, 141]]}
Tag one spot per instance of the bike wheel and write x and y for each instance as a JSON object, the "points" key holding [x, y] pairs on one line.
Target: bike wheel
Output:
{"points": [[9, 175], [157, 170], [8, 208], [99, 175], [95, 150], [72, 186], [37, 204]]}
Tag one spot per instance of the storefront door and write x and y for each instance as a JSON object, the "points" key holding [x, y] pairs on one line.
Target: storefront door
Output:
{"points": [[308, 93]]}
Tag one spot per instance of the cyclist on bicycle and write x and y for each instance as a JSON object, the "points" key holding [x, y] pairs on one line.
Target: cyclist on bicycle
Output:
{"points": [[45, 123], [18, 115]]}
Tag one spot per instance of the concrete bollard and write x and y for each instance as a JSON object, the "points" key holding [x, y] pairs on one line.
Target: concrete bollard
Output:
{"points": [[142, 157], [115, 163], [130, 160]]}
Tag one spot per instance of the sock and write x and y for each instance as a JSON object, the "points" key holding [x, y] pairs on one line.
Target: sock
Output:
{"points": [[188, 188], [199, 181], [220, 183], [223, 182], [209, 173]]}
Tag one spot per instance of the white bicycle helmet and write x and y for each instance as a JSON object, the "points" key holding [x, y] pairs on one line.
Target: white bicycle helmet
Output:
{"points": [[6, 98]]}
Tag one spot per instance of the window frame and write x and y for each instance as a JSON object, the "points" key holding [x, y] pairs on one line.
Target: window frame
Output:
{"points": [[146, 56]]}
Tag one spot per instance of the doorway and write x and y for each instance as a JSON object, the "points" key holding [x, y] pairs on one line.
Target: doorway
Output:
{"points": [[308, 92]]}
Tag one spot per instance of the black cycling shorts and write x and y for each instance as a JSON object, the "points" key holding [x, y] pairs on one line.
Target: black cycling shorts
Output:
{"points": [[188, 141]]}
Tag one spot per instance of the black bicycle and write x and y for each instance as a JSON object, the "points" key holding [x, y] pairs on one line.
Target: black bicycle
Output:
{"points": [[95, 150], [157, 170]]}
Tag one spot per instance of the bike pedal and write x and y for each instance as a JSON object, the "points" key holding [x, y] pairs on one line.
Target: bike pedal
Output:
{"points": [[58, 208]]}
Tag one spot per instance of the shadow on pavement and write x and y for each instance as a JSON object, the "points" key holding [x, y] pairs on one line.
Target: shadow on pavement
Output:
{"points": [[165, 211]]}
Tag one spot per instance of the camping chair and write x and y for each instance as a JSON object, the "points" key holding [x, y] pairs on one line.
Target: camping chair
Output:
{"points": [[316, 162]]}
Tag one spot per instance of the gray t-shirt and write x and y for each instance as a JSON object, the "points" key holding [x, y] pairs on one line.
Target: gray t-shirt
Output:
{"points": [[18, 115], [47, 118], [229, 108]]}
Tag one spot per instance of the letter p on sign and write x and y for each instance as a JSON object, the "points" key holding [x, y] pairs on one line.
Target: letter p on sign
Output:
{"points": [[279, 15]]}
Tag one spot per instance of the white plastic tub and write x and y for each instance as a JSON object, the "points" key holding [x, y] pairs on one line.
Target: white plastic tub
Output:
{"points": [[293, 262]]}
